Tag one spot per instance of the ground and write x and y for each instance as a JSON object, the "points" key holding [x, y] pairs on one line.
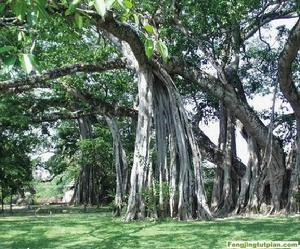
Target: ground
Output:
{"points": [[99, 230]]}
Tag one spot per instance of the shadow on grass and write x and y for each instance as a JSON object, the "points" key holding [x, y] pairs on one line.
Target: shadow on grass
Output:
{"points": [[100, 230]]}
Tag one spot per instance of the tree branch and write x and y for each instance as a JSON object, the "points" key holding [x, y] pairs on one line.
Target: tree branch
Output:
{"points": [[227, 94], [262, 19], [212, 154], [285, 74], [35, 80]]}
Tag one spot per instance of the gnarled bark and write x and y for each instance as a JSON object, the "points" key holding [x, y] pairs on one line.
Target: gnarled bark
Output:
{"points": [[136, 205], [254, 126], [290, 91], [188, 153], [120, 166], [226, 188]]}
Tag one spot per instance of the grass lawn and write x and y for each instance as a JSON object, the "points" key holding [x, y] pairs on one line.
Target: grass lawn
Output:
{"points": [[100, 230]]}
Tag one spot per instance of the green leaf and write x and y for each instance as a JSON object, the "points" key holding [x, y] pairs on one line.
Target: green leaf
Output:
{"points": [[128, 4], [21, 36], [19, 8], [163, 50], [149, 48], [149, 28], [100, 7], [2, 8], [7, 49], [9, 62], [136, 19], [78, 20], [72, 7], [42, 13], [125, 17], [27, 62]]}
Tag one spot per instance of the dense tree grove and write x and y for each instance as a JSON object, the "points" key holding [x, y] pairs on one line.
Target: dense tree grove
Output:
{"points": [[118, 88]]}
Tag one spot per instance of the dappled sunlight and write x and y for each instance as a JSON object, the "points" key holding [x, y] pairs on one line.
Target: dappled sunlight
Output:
{"points": [[100, 230]]}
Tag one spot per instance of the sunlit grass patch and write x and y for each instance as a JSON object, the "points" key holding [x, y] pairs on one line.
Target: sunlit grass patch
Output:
{"points": [[100, 230]]}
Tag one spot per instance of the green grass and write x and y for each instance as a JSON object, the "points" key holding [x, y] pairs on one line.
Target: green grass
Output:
{"points": [[100, 230]]}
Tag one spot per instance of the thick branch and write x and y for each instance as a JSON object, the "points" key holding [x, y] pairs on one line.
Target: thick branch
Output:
{"points": [[101, 108], [124, 32], [226, 94], [285, 74], [277, 12], [35, 80], [212, 154]]}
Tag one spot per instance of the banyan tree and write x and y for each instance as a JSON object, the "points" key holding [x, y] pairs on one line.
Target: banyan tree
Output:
{"points": [[170, 44]]}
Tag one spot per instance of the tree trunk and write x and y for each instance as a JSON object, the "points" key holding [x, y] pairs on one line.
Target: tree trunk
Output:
{"points": [[10, 202], [291, 92], [2, 200], [136, 205], [187, 152], [161, 126], [120, 165], [227, 201], [294, 188], [190, 182], [87, 189], [216, 200], [173, 179], [254, 126], [247, 194], [226, 181], [217, 189]]}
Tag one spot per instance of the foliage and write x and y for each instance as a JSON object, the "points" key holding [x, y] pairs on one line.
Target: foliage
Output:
{"points": [[15, 164]]}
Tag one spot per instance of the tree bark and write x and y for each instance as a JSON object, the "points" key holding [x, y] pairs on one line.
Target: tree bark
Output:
{"points": [[136, 205], [188, 154], [248, 200], [190, 185], [226, 201], [294, 188], [291, 92], [254, 126], [120, 165], [219, 174], [173, 178]]}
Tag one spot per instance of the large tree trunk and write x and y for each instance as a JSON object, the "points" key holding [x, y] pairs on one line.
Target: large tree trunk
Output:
{"points": [[227, 195], [173, 169], [294, 188], [248, 193], [136, 205], [120, 165], [161, 126], [291, 91], [190, 182], [187, 153], [226, 182], [216, 200], [254, 126]]}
